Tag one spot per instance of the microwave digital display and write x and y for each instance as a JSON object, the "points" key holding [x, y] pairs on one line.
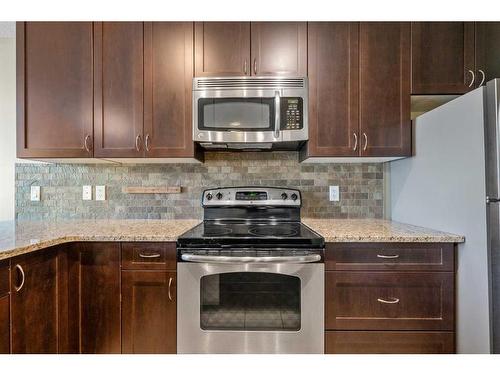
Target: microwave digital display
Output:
{"points": [[251, 196]]}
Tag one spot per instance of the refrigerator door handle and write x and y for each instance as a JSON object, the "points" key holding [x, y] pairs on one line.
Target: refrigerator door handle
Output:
{"points": [[492, 200]]}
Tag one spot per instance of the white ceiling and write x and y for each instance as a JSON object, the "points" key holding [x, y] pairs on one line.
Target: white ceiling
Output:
{"points": [[7, 29]]}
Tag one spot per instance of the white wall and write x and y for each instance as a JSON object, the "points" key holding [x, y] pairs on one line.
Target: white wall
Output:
{"points": [[7, 119]]}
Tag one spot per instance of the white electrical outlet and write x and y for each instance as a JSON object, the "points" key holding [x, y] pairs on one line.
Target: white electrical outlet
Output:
{"points": [[100, 193], [87, 193], [334, 194], [35, 193]]}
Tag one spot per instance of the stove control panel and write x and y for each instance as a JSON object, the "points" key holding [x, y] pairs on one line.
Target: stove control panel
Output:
{"points": [[251, 196]]}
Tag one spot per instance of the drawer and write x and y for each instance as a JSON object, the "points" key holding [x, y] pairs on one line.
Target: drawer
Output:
{"points": [[390, 300], [390, 256], [387, 342], [4, 278], [149, 256]]}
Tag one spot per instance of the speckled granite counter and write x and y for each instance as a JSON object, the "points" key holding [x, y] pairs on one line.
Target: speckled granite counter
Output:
{"points": [[376, 230], [22, 237]]}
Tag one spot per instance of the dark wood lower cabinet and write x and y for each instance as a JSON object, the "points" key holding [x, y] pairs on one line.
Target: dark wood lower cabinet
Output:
{"points": [[149, 314], [386, 342], [4, 308]]}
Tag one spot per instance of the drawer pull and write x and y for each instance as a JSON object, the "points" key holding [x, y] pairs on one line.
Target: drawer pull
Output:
{"points": [[389, 301], [388, 256], [170, 288], [149, 255]]}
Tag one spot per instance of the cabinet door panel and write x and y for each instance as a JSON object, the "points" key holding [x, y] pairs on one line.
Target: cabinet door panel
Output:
{"points": [[149, 312], [168, 59], [279, 48], [442, 55], [4, 308], [385, 125], [54, 89], [34, 306], [487, 50], [222, 49], [333, 89], [118, 98]]}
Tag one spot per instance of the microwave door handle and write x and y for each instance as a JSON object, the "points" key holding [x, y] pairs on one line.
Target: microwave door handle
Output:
{"points": [[277, 107]]}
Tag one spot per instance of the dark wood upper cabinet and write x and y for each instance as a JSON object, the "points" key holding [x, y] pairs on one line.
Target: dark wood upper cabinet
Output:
{"points": [[168, 74], [149, 312], [333, 89], [54, 89], [222, 49], [443, 57], [279, 48], [487, 51], [34, 303], [118, 89], [4, 308], [384, 73]]}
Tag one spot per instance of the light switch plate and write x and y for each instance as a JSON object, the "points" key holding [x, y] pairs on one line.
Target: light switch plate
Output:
{"points": [[87, 193], [35, 193], [100, 193], [334, 194]]}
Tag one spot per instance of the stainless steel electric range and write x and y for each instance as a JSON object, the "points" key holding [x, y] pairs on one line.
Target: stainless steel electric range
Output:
{"points": [[250, 276]]}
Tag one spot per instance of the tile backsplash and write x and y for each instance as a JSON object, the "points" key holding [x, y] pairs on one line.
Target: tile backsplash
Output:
{"points": [[361, 187]]}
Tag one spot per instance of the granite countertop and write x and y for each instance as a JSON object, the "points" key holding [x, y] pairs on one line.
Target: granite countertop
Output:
{"points": [[376, 230], [22, 237]]}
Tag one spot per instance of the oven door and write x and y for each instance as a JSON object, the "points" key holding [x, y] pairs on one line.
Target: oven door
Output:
{"points": [[250, 308]]}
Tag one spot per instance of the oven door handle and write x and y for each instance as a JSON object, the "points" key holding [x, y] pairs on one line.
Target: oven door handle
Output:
{"points": [[236, 260], [277, 115]]}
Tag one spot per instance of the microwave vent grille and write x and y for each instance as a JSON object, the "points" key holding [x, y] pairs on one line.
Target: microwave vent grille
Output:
{"points": [[248, 83]]}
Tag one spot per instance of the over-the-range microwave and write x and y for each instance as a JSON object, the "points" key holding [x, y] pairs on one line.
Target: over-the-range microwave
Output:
{"points": [[248, 113]]}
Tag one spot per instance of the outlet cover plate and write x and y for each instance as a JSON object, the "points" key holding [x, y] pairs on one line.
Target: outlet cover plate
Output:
{"points": [[35, 193], [100, 193], [87, 193], [334, 193]]}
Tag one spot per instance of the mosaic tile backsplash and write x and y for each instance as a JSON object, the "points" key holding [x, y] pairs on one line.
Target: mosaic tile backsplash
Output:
{"points": [[361, 187]]}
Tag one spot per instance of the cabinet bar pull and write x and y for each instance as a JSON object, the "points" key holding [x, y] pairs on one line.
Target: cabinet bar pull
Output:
{"points": [[391, 301], [149, 255], [20, 269], [147, 142], [355, 142], [138, 143], [255, 66], [388, 256], [245, 67], [366, 141], [473, 78], [85, 143], [169, 288], [484, 77]]}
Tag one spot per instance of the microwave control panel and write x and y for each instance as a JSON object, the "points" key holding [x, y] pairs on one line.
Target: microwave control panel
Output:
{"points": [[291, 113]]}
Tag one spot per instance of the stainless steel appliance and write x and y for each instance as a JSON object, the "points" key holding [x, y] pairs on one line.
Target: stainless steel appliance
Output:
{"points": [[250, 112], [250, 276]]}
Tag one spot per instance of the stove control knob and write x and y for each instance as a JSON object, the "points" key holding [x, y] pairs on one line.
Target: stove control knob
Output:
{"points": [[219, 195], [294, 196], [284, 196], [209, 196]]}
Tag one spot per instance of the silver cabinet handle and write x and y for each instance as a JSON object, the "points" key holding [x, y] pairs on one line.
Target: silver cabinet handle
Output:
{"points": [[277, 117], [245, 67], [85, 143], [388, 256], [255, 66], [146, 142], [228, 259], [366, 141], [20, 269], [473, 78], [138, 143], [355, 142], [484, 77], [170, 288], [389, 301], [149, 255]]}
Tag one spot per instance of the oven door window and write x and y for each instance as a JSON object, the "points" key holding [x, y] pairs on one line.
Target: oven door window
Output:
{"points": [[236, 114], [250, 301]]}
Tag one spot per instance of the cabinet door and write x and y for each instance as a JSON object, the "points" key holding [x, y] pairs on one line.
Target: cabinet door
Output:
{"points": [[54, 89], [385, 125], [4, 308], [94, 292], [34, 303], [333, 89], [487, 51], [149, 312], [279, 48], [168, 59], [222, 49], [442, 57], [118, 89]]}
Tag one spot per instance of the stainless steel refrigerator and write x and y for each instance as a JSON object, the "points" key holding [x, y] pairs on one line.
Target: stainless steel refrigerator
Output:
{"points": [[452, 184]]}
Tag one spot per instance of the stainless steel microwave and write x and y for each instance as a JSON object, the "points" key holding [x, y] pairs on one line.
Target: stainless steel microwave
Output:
{"points": [[250, 112]]}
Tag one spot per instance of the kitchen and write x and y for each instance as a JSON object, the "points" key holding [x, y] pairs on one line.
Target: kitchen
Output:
{"points": [[250, 187]]}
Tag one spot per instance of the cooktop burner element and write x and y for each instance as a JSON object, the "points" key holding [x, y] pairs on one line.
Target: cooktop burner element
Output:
{"points": [[282, 230], [216, 230]]}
